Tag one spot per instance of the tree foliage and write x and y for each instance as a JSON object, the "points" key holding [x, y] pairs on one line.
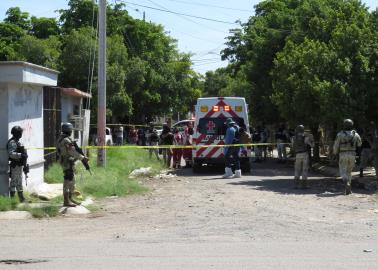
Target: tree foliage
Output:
{"points": [[312, 62], [146, 74]]}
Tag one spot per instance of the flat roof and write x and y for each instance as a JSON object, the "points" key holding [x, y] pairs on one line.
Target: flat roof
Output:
{"points": [[27, 64]]}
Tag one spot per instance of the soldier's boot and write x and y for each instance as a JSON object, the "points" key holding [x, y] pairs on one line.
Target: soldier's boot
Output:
{"points": [[21, 196], [296, 183], [12, 193], [67, 202], [348, 189], [73, 200], [361, 172], [228, 173]]}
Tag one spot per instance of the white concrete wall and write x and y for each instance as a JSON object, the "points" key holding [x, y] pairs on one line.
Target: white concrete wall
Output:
{"points": [[26, 110], [3, 138], [21, 103]]}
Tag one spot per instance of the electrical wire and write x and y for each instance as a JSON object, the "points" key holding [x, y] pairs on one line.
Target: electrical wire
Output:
{"points": [[209, 5], [183, 14]]}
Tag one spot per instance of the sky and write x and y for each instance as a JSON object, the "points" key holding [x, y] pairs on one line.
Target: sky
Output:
{"points": [[203, 38]]}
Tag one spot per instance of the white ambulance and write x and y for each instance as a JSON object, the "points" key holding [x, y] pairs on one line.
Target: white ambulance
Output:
{"points": [[210, 129]]}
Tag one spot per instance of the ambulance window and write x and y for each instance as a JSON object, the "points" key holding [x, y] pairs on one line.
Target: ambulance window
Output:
{"points": [[216, 126]]}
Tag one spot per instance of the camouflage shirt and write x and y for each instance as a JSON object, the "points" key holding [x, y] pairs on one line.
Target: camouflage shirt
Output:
{"points": [[67, 153]]}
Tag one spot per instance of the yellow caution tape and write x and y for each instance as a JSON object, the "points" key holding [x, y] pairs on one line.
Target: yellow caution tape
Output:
{"points": [[161, 146]]}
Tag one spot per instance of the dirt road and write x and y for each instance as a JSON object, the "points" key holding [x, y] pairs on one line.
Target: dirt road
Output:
{"points": [[205, 222]]}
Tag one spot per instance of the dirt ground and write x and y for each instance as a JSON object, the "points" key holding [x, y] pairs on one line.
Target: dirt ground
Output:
{"points": [[206, 222]]}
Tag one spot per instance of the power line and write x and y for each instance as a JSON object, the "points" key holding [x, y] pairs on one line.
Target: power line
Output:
{"points": [[185, 18], [183, 14], [209, 5]]}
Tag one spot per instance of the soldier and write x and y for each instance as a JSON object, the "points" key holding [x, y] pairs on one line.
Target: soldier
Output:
{"points": [[67, 157], [301, 142], [346, 143], [17, 157]]}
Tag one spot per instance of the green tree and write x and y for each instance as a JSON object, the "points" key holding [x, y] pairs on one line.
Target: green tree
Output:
{"points": [[44, 27], [15, 16]]}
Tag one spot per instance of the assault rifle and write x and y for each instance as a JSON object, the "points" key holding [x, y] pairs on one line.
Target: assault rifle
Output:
{"points": [[84, 161], [24, 161]]}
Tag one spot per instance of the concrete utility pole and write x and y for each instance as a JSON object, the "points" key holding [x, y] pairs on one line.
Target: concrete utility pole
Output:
{"points": [[101, 109]]}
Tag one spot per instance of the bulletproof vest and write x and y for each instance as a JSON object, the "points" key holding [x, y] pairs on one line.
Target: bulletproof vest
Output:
{"points": [[60, 155], [15, 162], [299, 144], [348, 142]]}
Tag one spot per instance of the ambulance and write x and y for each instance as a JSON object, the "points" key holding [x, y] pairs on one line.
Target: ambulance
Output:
{"points": [[210, 130]]}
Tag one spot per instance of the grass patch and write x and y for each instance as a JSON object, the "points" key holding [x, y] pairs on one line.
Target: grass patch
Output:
{"points": [[54, 174], [7, 204], [112, 180], [42, 212]]}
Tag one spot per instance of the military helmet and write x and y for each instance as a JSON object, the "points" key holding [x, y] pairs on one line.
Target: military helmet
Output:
{"points": [[67, 128], [299, 129], [229, 122], [348, 124], [16, 131]]}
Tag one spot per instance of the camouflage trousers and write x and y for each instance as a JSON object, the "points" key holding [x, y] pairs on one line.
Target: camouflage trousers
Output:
{"points": [[347, 161], [16, 179], [69, 181], [301, 165]]}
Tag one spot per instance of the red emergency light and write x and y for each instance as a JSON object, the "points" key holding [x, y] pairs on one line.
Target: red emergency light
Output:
{"points": [[216, 108], [226, 108]]}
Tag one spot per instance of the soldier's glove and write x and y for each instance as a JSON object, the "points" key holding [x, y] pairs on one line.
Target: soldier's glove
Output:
{"points": [[24, 156]]}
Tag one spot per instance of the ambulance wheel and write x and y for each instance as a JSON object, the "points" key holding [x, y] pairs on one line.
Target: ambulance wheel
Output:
{"points": [[196, 167]]}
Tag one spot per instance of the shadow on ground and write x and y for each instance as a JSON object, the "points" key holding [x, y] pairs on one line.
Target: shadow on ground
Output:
{"points": [[319, 186]]}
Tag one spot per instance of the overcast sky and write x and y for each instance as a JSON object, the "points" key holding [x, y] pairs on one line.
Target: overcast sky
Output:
{"points": [[203, 38]]}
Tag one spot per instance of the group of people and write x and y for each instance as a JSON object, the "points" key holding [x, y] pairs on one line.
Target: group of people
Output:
{"points": [[173, 155], [345, 147], [347, 144]]}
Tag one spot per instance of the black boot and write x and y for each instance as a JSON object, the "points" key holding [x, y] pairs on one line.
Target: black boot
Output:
{"points": [[12, 193], [348, 189], [21, 196], [361, 172]]}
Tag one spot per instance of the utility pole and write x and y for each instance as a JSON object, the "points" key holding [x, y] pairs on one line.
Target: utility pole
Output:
{"points": [[144, 16], [101, 109]]}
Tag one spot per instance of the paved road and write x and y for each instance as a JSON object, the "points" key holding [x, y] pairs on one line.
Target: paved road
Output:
{"points": [[205, 222]]}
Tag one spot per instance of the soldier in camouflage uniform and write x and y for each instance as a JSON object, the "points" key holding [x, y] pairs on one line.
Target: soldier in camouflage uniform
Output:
{"points": [[16, 157], [301, 142], [346, 143], [67, 157]]}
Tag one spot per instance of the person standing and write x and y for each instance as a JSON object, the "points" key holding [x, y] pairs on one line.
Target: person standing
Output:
{"points": [[346, 143], [166, 139], [188, 141], [281, 139], [153, 140], [177, 152], [373, 140], [366, 156], [67, 156], [119, 135], [231, 153], [17, 157], [301, 142]]}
